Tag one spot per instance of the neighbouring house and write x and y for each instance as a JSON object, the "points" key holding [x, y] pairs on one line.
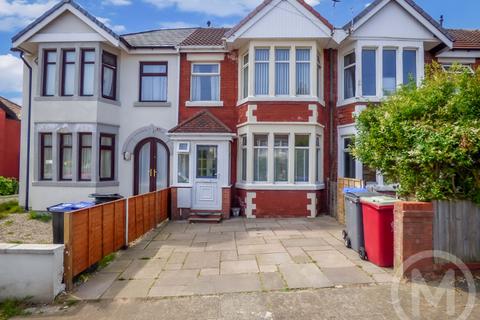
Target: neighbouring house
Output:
{"points": [[259, 116], [10, 118]]}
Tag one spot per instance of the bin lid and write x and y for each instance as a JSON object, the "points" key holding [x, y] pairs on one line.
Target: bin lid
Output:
{"points": [[106, 195], [379, 200], [356, 196], [354, 190], [67, 207]]}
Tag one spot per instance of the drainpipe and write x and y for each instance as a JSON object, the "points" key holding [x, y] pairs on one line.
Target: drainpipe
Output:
{"points": [[29, 128], [331, 130]]}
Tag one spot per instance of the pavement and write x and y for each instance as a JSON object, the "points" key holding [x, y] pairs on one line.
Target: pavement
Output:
{"points": [[236, 256]]}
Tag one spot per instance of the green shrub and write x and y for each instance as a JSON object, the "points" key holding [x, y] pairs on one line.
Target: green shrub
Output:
{"points": [[427, 138], [43, 217], [7, 208], [8, 186]]}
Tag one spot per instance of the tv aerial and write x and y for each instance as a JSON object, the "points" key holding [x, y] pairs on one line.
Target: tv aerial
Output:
{"points": [[334, 2]]}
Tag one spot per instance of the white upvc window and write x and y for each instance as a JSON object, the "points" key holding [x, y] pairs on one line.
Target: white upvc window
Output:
{"points": [[319, 163], [245, 75], [302, 157], [262, 73], [243, 152], [205, 82], [303, 71], [349, 78], [348, 163], [369, 71], [282, 72], [260, 157], [410, 72], [183, 163], [281, 157], [319, 76], [389, 78]]}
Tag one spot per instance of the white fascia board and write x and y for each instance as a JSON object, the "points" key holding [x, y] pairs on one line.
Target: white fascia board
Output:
{"points": [[153, 51], [202, 49], [202, 136], [459, 54], [206, 57]]}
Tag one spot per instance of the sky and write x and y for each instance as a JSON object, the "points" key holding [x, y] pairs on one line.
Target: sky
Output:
{"points": [[127, 16]]}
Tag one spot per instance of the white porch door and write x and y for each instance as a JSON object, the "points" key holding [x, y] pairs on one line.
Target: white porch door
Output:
{"points": [[207, 191]]}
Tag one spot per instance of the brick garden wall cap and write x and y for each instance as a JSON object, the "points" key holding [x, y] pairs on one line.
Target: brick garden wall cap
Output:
{"points": [[414, 206]]}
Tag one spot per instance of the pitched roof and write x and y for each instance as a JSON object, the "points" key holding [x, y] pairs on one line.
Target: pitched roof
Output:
{"points": [[209, 37], [266, 3], [412, 3], [55, 8], [158, 38], [13, 110], [202, 122], [465, 39]]}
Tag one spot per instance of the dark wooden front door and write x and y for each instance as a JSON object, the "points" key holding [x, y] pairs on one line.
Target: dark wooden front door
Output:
{"points": [[151, 166]]}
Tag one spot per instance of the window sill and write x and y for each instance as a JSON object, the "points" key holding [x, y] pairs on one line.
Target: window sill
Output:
{"points": [[109, 101], [65, 98], [148, 104], [278, 186], [281, 98], [347, 102], [76, 184], [204, 103]]}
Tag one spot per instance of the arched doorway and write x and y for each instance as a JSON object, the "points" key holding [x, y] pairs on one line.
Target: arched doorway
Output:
{"points": [[151, 168]]}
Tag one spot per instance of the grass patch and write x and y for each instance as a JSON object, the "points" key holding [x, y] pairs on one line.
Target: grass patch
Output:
{"points": [[107, 260], [16, 242], [9, 207], [43, 217], [12, 308], [8, 223]]}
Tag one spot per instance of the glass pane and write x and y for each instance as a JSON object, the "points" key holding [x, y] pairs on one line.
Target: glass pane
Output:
{"points": [[69, 80], [154, 89], [244, 164], [154, 68], [47, 163], [349, 170], [369, 72], [409, 66], [109, 59], [206, 162], [349, 59], [108, 79], [86, 164], [106, 141], [260, 157], [50, 77], [389, 71], [262, 54], [47, 140], [89, 56], [303, 78], [70, 56], [303, 55], [281, 141], [67, 172], [245, 82], [86, 140], [302, 140], [349, 83], [282, 55], [88, 79], [162, 167], [282, 78], [52, 56], [183, 168], [281, 164], [144, 167], [245, 59], [205, 68], [106, 170], [261, 78], [67, 140], [206, 88], [319, 165], [301, 165], [260, 140]]}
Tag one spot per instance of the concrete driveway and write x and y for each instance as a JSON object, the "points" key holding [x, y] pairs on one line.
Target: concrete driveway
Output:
{"points": [[239, 255]]}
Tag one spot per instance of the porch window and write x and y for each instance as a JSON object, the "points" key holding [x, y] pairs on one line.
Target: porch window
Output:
{"points": [[262, 61], [349, 76], [46, 156], [409, 66], [66, 159], [260, 158], [281, 158], [109, 76], [87, 72], [301, 158], [153, 81], [319, 168], [245, 75], [282, 71], [49, 72], [183, 168], [369, 72], [85, 156], [68, 72], [303, 71], [389, 71], [206, 162], [205, 82], [349, 169], [107, 157], [244, 157]]}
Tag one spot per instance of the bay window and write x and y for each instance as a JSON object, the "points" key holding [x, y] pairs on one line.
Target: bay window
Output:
{"points": [[109, 75], [301, 158], [107, 157], [87, 78], [369, 72], [245, 75], [85, 157], [243, 151], [153, 81], [281, 158], [205, 82], [282, 71], [260, 157], [409, 66], [46, 156], [49, 72], [389, 71], [262, 61], [349, 76], [303, 72], [68, 72], [66, 156]]}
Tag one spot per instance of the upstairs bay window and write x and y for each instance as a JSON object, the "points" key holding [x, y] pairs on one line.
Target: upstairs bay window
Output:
{"points": [[389, 71], [409, 66], [369, 72], [262, 74], [205, 82], [282, 72], [68, 72], [349, 82], [109, 76], [49, 72], [87, 77], [153, 81], [303, 72], [260, 158]]}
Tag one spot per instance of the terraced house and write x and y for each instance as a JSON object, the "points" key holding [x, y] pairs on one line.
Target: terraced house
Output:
{"points": [[258, 116]]}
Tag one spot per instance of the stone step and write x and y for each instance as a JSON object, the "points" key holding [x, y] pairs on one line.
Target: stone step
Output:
{"points": [[211, 218]]}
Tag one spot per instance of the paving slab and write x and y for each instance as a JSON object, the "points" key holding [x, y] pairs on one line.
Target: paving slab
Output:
{"points": [[228, 283], [274, 258], [201, 260], [235, 267], [268, 268], [176, 278], [330, 259], [260, 248], [348, 275], [96, 286], [298, 255], [116, 266], [304, 276], [128, 289], [272, 281], [312, 242]]}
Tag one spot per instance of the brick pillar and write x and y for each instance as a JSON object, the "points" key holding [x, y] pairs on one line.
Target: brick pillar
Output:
{"points": [[226, 202], [413, 234]]}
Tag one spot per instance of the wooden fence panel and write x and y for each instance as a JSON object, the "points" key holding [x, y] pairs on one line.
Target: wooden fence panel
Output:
{"points": [[341, 184], [108, 234]]}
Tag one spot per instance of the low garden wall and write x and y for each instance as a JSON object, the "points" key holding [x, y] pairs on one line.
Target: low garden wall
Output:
{"points": [[31, 271]]}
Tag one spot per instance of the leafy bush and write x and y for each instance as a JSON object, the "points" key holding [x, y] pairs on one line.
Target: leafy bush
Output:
{"points": [[43, 217], [427, 138], [8, 186], [9, 207]]}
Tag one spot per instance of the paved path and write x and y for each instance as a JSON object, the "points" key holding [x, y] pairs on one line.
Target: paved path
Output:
{"points": [[238, 255]]}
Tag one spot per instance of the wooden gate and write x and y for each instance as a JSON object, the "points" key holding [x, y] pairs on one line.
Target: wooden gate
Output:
{"points": [[341, 184]]}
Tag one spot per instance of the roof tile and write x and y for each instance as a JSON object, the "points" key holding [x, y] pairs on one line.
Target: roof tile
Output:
{"points": [[207, 37], [465, 39], [13, 110], [158, 38], [202, 122]]}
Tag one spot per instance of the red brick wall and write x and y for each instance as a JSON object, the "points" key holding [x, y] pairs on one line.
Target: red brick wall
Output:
{"points": [[344, 114], [9, 146], [226, 202]]}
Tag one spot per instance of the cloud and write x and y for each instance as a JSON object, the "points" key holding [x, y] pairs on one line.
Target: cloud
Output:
{"points": [[17, 100], [16, 14], [117, 2], [11, 73], [119, 28], [177, 25]]}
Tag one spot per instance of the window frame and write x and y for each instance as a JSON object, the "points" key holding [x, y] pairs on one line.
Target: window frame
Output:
{"points": [[245, 70], [374, 50], [114, 68], [256, 62], [80, 149], [64, 65], [45, 71], [194, 74], [61, 149], [307, 167], [255, 148], [344, 154], [83, 63], [275, 148], [348, 67], [42, 155], [287, 62], [309, 62], [395, 51], [112, 160], [143, 74], [197, 168], [243, 157]]}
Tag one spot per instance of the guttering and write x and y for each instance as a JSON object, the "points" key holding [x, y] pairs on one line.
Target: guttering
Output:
{"points": [[29, 127]]}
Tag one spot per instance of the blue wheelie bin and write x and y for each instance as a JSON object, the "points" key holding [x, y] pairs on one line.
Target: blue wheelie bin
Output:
{"points": [[58, 211]]}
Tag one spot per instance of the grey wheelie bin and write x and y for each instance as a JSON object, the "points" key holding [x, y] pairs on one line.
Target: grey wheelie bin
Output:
{"points": [[354, 237]]}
